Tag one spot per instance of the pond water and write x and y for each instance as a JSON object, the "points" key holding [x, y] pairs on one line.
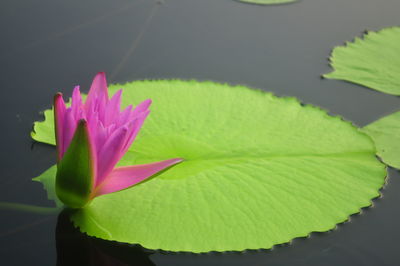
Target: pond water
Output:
{"points": [[52, 45]]}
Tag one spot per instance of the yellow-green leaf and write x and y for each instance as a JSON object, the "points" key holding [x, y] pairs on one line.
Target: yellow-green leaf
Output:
{"points": [[259, 170], [373, 61]]}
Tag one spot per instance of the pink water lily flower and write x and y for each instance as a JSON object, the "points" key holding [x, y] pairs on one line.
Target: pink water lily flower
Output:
{"points": [[91, 138]]}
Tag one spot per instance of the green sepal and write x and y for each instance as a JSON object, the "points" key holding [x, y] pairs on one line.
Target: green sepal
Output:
{"points": [[75, 171]]}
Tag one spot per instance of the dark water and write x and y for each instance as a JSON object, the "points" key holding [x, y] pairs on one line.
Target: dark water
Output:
{"points": [[52, 45]]}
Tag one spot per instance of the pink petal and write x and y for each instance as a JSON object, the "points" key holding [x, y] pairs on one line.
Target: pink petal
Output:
{"points": [[134, 130], [69, 125], [124, 177], [101, 135], [124, 116], [59, 112], [113, 108], [76, 104], [93, 121], [92, 148], [101, 109], [98, 93], [110, 153], [141, 107]]}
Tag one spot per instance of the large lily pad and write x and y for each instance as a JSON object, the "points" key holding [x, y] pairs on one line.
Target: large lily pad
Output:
{"points": [[373, 61], [259, 170]]}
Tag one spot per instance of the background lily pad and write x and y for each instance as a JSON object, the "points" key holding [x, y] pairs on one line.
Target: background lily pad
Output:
{"points": [[373, 61], [259, 170], [386, 134], [267, 2]]}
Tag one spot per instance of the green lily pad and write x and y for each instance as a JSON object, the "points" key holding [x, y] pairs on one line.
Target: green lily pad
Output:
{"points": [[267, 2], [373, 61], [47, 178], [386, 134], [259, 170]]}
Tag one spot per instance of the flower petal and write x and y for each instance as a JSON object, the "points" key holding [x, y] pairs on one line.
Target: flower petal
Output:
{"points": [[59, 112], [98, 93], [110, 153], [69, 126], [124, 177], [77, 169], [124, 116], [141, 107], [134, 129], [76, 104], [113, 108]]}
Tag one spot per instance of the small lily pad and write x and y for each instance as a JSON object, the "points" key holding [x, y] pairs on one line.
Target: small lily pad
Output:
{"points": [[259, 170], [373, 61], [386, 134]]}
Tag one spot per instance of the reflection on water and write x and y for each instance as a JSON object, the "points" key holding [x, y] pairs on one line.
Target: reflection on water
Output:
{"points": [[76, 248]]}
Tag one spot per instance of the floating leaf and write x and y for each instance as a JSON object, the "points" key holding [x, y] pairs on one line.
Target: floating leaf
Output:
{"points": [[48, 181], [386, 134], [267, 2], [373, 61], [45, 129], [259, 170]]}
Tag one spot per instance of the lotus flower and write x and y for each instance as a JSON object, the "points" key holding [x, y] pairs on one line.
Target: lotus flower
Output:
{"points": [[91, 138]]}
